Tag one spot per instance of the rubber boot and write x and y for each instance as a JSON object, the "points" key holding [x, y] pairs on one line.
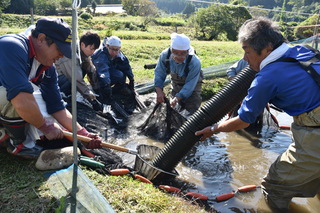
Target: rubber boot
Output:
{"points": [[15, 130], [3, 137]]}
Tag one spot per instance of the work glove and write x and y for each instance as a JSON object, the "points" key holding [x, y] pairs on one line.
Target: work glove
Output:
{"points": [[96, 105], [131, 84], [173, 102], [106, 93], [51, 130], [95, 143]]}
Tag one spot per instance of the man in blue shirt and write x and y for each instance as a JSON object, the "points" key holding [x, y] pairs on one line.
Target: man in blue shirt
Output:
{"points": [[29, 94], [184, 67], [233, 70], [295, 173]]}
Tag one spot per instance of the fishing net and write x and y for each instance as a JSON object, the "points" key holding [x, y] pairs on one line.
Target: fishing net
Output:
{"points": [[265, 126], [162, 123], [60, 184], [312, 41], [94, 123]]}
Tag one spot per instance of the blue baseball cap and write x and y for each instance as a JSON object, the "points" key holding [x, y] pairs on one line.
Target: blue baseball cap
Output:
{"points": [[59, 31]]}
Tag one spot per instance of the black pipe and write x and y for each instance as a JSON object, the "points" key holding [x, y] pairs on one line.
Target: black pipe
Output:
{"points": [[212, 112], [150, 66]]}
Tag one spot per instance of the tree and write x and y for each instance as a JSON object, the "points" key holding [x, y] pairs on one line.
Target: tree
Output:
{"points": [[209, 22], [140, 7], [220, 19], [303, 30], [65, 4], [189, 9], [147, 8], [171, 6], [238, 2], [282, 16], [46, 7], [19, 7], [130, 6], [85, 3], [4, 4], [238, 15], [264, 3], [94, 6]]}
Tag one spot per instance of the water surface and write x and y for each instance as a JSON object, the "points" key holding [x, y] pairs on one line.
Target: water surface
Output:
{"points": [[227, 161]]}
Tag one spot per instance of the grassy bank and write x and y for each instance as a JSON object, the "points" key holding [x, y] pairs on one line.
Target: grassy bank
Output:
{"points": [[24, 189]]}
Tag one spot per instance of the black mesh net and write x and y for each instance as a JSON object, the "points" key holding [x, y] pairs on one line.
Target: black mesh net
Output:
{"points": [[162, 123], [265, 126]]}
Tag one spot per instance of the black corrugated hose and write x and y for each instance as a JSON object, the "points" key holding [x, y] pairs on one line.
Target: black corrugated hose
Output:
{"points": [[212, 112]]}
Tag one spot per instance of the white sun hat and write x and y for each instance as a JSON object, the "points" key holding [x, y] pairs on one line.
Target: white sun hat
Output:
{"points": [[180, 41]]}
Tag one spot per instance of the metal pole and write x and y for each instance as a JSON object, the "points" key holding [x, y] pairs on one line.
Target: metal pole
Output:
{"points": [[75, 5], [31, 3], [31, 14]]}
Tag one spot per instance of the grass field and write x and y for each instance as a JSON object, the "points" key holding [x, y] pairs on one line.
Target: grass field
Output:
{"points": [[141, 52]]}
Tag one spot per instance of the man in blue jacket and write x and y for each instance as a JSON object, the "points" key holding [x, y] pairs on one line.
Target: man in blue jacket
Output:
{"points": [[29, 94], [112, 68], [184, 68], [295, 173]]}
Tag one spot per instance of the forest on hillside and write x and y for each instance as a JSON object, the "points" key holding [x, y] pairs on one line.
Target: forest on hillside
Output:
{"points": [[209, 19], [271, 7], [171, 6]]}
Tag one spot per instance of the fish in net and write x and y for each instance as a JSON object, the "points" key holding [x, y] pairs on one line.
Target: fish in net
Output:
{"points": [[162, 123]]}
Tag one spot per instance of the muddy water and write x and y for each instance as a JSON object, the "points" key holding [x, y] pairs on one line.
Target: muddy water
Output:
{"points": [[227, 161]]}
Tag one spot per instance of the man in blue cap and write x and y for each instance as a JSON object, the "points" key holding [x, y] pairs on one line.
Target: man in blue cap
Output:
{"points": [[30, 101]]}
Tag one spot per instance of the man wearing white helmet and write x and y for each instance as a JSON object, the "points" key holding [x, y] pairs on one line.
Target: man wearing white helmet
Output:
{"points": [[112, 68], [184, 67]]}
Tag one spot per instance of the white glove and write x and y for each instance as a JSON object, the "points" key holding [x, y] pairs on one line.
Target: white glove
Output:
{"points": [[173, 102]]}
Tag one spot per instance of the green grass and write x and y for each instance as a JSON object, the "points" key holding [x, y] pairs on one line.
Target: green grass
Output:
{"points": [[141, 52], [141, 46], [24, 189], [22, 186]]}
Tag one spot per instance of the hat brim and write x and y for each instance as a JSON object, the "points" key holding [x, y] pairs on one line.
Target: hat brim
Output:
{"points": [[64, 47]]}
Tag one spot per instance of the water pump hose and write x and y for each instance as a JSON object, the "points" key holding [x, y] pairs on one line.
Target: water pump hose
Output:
{"points": [[213, 111]]}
